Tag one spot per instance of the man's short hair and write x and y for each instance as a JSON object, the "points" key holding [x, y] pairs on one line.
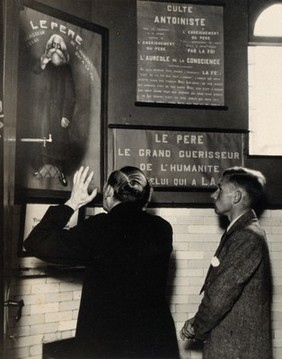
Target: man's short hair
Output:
{"points": [[252, 181]]}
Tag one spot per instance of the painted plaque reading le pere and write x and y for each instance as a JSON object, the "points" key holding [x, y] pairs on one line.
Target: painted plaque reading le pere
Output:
{"points": [[178, 158], [180, 53]]}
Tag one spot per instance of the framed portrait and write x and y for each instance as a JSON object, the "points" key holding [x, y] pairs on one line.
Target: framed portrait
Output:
{"points": [[61, 118]]}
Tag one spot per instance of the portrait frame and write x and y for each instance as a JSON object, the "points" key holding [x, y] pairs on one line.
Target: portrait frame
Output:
{"points": [[48, 152]]}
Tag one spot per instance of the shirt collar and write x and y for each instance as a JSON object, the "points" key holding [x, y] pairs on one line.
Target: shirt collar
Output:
{"points": [[234, 220]]}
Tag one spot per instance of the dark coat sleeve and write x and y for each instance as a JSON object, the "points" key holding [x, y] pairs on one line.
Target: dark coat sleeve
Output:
{"points": [[51, 242], [239, 263]]}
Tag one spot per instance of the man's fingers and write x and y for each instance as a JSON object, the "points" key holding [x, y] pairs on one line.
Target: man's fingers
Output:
{"points": [[80, 176], [84, 174], [89, 178], [77, 175], [93, 194], [183, 335], [187, 332]]}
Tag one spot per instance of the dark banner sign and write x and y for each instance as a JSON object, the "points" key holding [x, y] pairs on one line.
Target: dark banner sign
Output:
{"points": [[178, 158], [180, 53]]}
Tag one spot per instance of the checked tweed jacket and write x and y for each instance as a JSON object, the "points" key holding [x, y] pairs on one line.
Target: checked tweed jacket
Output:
{"points": [[234, 318]]}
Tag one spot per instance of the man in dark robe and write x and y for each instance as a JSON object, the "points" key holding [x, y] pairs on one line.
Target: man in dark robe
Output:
{"points": [[53, 102]]}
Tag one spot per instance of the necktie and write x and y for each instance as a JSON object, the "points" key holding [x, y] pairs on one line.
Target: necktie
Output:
{"points": [[221, 243]]}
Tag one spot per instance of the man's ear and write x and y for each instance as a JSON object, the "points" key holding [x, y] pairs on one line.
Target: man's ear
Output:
{"points": [[237, 196], [109, 191]]}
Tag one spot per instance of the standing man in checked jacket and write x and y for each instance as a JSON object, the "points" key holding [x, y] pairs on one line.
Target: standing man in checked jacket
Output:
{"points": [[233, 319]]}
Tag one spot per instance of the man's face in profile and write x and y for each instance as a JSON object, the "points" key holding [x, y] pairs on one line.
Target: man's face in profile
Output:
{"points": [[223, 197]]}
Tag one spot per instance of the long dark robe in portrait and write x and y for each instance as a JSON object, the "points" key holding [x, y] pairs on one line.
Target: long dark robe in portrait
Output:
{"points": [[53, 98]]}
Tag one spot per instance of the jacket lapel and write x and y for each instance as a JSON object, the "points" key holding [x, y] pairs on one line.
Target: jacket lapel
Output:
{"points": [[241, 222], [222, 241]]}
